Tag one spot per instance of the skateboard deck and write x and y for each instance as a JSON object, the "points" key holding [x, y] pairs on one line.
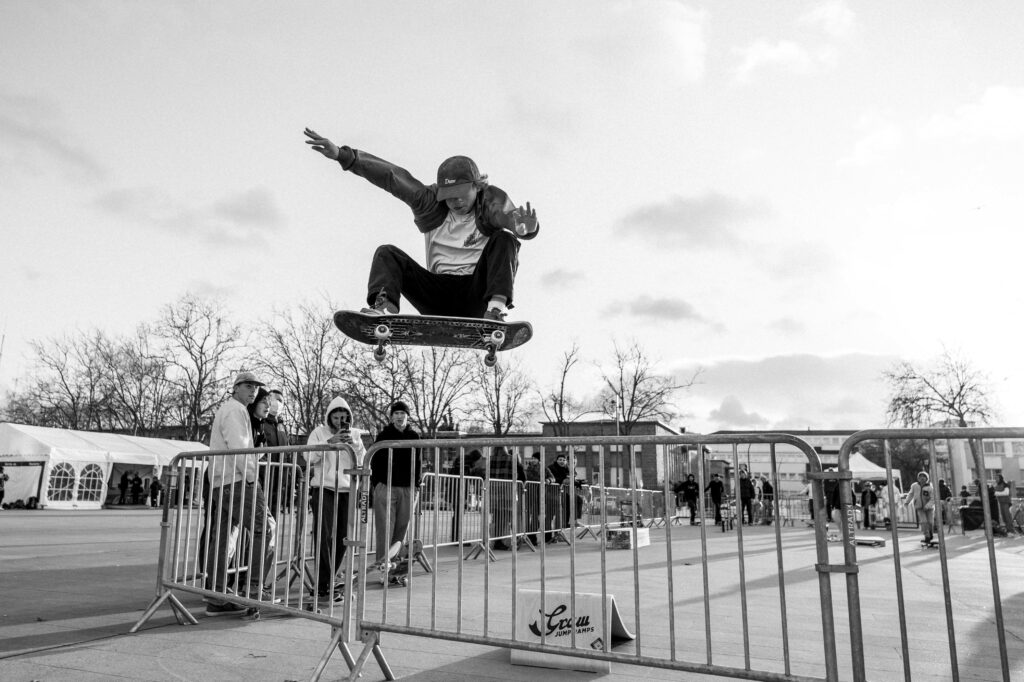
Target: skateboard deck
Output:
{"points": [[870, 540], [432, 330]]}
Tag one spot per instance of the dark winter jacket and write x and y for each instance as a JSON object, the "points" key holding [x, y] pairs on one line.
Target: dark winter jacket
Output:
{"points": [[493, 207], [406, 461], [691, 490]]}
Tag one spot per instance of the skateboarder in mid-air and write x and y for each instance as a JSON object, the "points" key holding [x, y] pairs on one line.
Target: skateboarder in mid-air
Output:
{"points": [[472, 232]]}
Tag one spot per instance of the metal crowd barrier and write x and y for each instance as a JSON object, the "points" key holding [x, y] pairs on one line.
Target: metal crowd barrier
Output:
{"points": [[951, 556], [270, 546], [674, 595]]}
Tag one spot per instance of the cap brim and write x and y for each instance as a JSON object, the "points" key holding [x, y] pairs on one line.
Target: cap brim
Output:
{"points": [[451, 191]]}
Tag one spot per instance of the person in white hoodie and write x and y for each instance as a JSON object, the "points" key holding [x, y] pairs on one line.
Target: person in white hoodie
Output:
{"points": [[329, 492]]}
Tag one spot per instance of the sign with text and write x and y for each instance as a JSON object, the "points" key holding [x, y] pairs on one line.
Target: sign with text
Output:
{"points": [[557, 621]]}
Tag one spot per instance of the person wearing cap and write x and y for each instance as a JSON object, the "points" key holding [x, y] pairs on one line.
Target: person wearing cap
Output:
{"points": [[472, 232], [394, 483], [236, 500]]}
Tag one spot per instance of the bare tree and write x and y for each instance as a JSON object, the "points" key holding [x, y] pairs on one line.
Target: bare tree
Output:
{"points": [[302, 353], [558, 405], [640, 393], [135, 382], [502, 396], [438, 381], [201, 343], [373, 386], [66, 385], [950, 390]]}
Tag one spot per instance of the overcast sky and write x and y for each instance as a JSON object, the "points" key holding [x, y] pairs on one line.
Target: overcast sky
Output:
{"points": [[789, 196]]}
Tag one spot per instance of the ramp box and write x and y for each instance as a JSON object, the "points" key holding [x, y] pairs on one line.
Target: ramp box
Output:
{"points": [[626, 537], [553, 626]]}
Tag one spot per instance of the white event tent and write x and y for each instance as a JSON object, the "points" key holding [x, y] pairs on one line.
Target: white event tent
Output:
{"points": [[67, 469], [865, 470]]}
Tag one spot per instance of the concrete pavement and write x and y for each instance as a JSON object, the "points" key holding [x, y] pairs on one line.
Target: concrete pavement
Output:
{"points": [[73, 583]]}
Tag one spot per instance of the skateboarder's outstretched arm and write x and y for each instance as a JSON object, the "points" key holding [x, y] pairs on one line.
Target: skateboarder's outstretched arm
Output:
{"points": [[391, 178]]}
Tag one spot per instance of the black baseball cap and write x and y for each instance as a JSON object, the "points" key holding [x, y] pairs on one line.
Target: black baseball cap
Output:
{"points": [[453, 173]]}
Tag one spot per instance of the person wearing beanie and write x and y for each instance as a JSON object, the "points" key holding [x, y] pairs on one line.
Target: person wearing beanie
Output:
{"points": [[472, 232], [394, 484], [329, 493]]}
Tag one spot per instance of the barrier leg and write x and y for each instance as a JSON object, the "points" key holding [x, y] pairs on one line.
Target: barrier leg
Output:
{"points": [[183, 615], [371, 645], [336, 642]]}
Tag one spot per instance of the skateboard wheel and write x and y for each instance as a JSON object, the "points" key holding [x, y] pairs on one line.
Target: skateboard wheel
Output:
{"points": [[379, 355], [382, 331], [497, 337], [490, 360]]}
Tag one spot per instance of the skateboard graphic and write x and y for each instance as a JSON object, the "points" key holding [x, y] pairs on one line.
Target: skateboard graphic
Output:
{"points": [[431, 330]]}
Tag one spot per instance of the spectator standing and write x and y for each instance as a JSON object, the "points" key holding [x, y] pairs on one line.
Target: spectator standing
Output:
{"points": [[746, 497], [395, 484], [236, 499], [284, 474], [767, 499], [329, 492], [677, 495], [126, 480], [154, 491], [691, 496], [556, 501], [506, 475], [4, 477], [258, 410], [715, 489], [868, 500], [137, 489]]}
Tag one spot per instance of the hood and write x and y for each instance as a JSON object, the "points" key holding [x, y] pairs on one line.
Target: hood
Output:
{"points": [[337, 403]]}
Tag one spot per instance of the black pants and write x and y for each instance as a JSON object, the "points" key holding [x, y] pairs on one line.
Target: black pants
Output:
{"points": [[395, 273], [692, 505], [748, 509], [718, 509], [330, 521]]}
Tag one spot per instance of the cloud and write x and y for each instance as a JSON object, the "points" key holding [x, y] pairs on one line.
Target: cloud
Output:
{"points": [[731, 415], [244, 219], [31, 134], [833, 18], [708, 221], [785, 55], [879, 139], [827, 392], [655, 309], [997, 116], [556, 279], [787, 325]]}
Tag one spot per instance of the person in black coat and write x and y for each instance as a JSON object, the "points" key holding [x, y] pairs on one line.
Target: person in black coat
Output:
{"points": [[394, 483], [691, 495]]}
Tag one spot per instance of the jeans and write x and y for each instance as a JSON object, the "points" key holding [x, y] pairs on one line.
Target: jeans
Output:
{"points": [[330, 524], [239, 505], [392, 508]]}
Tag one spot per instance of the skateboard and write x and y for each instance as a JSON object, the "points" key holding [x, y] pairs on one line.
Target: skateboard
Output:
{"points": [[432, 330], [929, 545], [870, 540], [387, 568]]}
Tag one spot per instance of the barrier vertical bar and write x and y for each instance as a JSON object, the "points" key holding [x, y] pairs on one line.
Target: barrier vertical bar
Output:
{"points": [[702, 471], [780, 563], [897, 562], [947, 597], [742, 566]]}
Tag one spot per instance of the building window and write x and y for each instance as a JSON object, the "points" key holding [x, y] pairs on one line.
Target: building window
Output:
{"points": [[994, 447], [90, 484], [1018, 447], [62, 483]]}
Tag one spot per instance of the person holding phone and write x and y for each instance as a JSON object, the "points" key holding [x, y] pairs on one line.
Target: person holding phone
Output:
{"points": [[329, 493]]}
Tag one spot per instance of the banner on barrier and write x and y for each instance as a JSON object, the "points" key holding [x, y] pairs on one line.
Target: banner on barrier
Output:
{"points": [[556, 624]]}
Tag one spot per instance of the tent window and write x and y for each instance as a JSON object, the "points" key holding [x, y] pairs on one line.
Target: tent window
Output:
{"points": [[62, 483], [90, 485]]}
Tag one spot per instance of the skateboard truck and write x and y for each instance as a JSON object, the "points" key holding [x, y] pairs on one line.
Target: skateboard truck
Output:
{"points": [[382, 333], [492, 343]]}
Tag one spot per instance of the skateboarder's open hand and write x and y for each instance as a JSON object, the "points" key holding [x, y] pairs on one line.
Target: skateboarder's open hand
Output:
{"points": [[322, 144], [525, 219]]}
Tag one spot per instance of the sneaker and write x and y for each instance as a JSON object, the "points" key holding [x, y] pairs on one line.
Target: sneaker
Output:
{"points": [[495, 315], [225, 609], [337, 597], [381, 306]]}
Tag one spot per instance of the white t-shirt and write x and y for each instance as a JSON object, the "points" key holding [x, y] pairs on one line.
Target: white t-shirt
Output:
{"points": [[455, 247]]}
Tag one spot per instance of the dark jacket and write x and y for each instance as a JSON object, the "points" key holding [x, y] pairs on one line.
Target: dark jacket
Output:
{"points": [[401, 457], [715, 487], [746, 489], [493, 207], [274, 432], [502, 466], [558, 473], [691, 490]]}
